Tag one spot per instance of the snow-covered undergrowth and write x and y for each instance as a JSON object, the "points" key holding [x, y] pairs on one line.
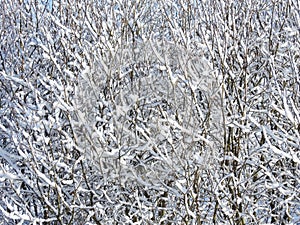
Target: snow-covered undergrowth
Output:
{"points": [[146, 112]]}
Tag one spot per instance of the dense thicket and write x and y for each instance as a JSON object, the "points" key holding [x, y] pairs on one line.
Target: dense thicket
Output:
{"points": [[149, 112]]}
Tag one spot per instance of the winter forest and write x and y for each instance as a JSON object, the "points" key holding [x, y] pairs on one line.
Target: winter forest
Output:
{"points": [[149, 112]]}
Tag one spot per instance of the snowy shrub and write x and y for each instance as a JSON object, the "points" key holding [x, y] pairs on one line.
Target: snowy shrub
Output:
{"points": [[146, 112]]}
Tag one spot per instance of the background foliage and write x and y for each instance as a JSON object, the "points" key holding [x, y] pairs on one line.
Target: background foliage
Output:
{"points": [[146, 112]]}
